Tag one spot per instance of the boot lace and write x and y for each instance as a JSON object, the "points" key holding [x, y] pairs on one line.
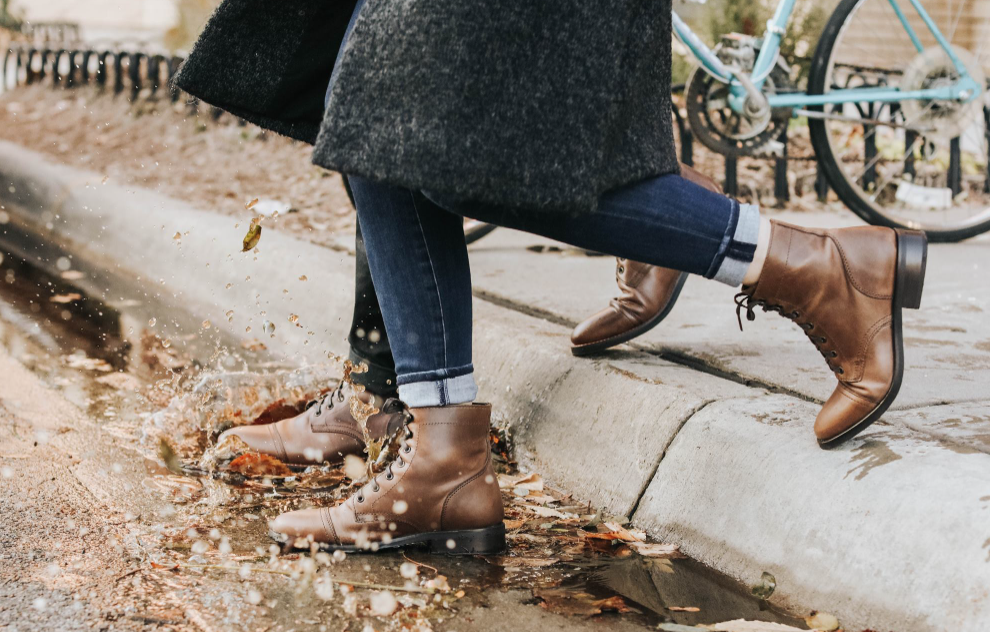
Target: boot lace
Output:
{"points": [[393, 407], [746, 301], [321, 403]]}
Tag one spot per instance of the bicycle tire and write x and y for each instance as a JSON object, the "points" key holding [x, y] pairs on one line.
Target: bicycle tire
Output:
{"points": [[823, 149]]}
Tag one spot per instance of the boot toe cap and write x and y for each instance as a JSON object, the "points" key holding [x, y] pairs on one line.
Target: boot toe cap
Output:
{"points": [[307, 524], [843, 410], [258, 438], [601, 326]]}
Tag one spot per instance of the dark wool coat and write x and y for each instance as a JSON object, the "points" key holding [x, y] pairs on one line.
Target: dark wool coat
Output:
{"points": [[534, 104]]}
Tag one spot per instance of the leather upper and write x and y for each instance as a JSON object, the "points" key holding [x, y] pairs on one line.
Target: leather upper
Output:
{"points": [[838, 285], [442, 480]]}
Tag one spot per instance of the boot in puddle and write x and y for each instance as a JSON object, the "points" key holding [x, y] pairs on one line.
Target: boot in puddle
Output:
{"points": [[325, 432], [440, 492], [846, 288]]}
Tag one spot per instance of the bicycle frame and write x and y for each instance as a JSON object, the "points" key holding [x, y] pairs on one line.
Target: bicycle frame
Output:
{"points": [[965, 89]]}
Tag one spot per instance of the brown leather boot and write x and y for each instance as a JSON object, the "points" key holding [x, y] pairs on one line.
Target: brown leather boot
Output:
{"points": [[441, 492], [846, 288], [648, 294], [323, 433]]}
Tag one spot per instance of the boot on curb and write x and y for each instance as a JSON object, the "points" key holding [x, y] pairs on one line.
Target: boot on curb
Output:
{"points": [[323, 433], [648, 293], [440, 492], [845, 288]]}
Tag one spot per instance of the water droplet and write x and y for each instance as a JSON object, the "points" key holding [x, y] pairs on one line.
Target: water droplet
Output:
{"points": [[254, 597], [293, 318], [200, 546], [206, 324], [152, 321], [230, 315], [63, 264], [400, 507], [228, 286], [408, 570], [383, 603], [177, 236], [451, 544], [374, 336], [303, 278], [269, 327], [166, 343]]}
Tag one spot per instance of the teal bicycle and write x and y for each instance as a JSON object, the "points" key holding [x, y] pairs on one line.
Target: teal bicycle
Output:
{"points": [[896, 104]]}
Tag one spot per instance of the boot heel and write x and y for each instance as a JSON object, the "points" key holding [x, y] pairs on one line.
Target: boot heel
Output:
{"points": [[912, 258], [487, 541]]}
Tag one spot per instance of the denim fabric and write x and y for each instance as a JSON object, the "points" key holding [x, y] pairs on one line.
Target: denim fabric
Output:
{"points": [[419, 262], [368, 337]]}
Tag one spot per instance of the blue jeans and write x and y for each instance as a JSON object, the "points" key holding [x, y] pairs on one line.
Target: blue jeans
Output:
{"points": [[419, 263], [420, 268]]}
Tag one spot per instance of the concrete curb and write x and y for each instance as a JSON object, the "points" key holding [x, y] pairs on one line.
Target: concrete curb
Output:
{"points": [[730, 472]]}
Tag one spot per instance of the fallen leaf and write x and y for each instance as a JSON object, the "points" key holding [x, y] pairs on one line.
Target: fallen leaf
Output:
{"points": [[741, 625], [62, 299], [513, 524], [763, 590], [529, 482], [822, 621], [568, 601], [615, 531], [168, 456], [254, 464], [252, 237], [522, 561], [683, 609], [164, 567], [657, 550], [547, 512]]}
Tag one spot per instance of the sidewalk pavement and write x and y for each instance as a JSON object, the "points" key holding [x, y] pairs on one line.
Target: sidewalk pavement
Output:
{"points": [[698, 432]]}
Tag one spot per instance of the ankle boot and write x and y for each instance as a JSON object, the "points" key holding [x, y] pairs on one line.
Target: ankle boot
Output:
{"points": [[846, 288], [440, 492], [325, 432], [648, 294]]}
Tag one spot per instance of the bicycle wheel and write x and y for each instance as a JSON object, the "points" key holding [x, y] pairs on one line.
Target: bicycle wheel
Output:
{"points": [[910, 164]]}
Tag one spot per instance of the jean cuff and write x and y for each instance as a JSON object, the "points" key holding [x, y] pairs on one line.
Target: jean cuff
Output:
{"points": [[741, 248], [443, 392]]}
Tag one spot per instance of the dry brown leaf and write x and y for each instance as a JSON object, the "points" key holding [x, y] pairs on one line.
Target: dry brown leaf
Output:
{"points": [[683, 609], [529, 482], [254, 464], [513, 524], [62, 299], [568, 601], [547, 512]]}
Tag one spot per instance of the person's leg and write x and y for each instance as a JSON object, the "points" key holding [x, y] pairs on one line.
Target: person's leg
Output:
{"points": [[368, 337]]}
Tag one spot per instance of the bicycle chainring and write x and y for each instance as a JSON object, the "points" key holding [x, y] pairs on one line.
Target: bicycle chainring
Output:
{"points": [[725, 131]]}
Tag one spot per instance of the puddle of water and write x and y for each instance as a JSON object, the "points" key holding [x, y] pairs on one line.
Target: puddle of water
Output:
{"points": [[74, 344]]}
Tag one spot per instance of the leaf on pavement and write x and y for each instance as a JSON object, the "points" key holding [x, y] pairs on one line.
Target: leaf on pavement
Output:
{"points": [[528, 482], [683, 609], [615, 531], [254, 464]]}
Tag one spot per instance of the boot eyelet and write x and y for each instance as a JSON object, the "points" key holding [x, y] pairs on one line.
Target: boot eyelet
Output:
{"points": [[389, 476], [360, 499], [377, 488], [835, 354], [795, 314], [621, 269], [840, 371], [822, 340], [407, 449]]}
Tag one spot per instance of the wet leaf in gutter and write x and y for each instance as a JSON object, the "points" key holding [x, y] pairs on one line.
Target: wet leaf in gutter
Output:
{"points": [[763, 590], [254, 464]]}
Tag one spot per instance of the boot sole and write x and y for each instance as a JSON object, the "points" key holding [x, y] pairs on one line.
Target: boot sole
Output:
{"points": [[592, 348], [485, 541], [909, 283]]}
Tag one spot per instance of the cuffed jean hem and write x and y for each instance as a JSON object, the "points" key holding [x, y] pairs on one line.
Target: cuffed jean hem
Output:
{"points": [[741, 247], [379, 380], [443, 392]]}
